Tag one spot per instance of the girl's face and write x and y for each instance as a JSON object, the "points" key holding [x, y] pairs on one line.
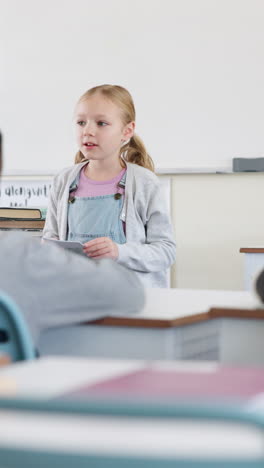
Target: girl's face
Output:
{"points": [[100, 130]]}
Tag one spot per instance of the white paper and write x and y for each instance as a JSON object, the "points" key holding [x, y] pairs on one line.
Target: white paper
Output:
{"points": [[74, 246]]}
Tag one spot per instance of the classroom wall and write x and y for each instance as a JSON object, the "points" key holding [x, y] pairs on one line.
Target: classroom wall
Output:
{"points": [[214, 215]]}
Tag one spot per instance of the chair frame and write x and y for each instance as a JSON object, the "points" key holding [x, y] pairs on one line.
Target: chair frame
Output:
{"points": [[11, 457], [25, 344]]}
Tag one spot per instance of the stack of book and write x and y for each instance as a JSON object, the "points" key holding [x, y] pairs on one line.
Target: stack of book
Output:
{"points": [[25, 219]]}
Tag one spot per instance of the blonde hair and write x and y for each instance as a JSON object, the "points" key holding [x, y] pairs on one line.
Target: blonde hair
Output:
{"points": [[134, 150]]}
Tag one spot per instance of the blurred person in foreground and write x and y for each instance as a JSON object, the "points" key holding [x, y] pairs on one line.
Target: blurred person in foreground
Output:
{"points": [[54, 287]]}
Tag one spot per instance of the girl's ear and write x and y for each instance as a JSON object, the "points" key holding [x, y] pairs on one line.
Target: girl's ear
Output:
{"points": [[128, 131]]}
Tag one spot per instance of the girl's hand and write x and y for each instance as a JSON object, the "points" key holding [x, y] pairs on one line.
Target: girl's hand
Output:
{"points": [[101, 247]]}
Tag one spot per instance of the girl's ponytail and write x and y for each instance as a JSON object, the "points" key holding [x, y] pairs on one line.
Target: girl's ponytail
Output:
{"points": [[135, 152], [79, 157]]}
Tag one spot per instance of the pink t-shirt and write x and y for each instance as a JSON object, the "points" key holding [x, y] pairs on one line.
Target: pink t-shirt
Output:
{"points": [[93, 188]]}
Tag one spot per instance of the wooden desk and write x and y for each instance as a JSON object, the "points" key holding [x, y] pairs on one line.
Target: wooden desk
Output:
{"points": [[175, 324], [254, 262]]}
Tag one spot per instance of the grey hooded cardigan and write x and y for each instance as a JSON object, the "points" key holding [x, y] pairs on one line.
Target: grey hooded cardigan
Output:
{"points": [[150, 247]]}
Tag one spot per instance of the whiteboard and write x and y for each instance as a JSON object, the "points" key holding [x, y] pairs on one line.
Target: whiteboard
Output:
{"points": [[194, 67]]}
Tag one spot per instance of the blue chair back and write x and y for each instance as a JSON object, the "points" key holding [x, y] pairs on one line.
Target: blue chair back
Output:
{"points": [[15, 339], [13, 455]]}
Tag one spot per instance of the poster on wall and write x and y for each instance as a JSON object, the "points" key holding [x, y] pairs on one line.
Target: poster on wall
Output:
{"points": [[24, 192]]}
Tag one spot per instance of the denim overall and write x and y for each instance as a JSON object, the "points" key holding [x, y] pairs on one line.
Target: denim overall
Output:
{"points": [[92, 217]]}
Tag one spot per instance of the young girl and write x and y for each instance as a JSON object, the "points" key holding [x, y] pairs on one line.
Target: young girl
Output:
{"points": [[111, 200]]}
